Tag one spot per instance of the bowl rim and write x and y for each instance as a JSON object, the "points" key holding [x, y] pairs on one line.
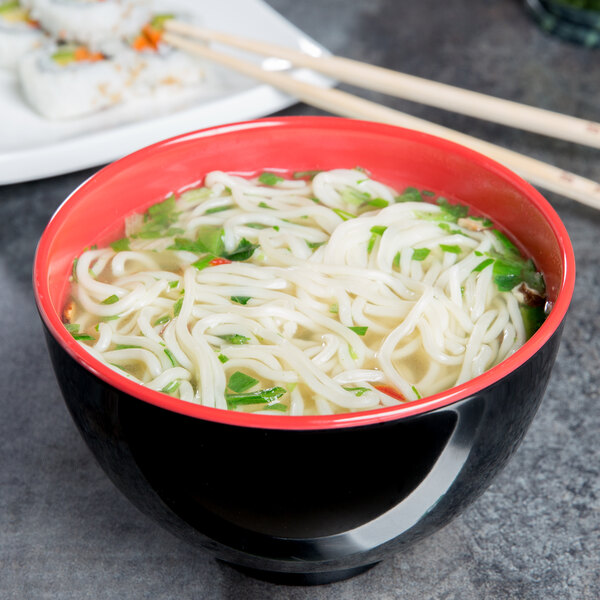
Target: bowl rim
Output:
{"points": [[490, 377]]}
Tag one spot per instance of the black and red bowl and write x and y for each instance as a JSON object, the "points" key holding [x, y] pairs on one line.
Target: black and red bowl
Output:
{"points": [[302, 499]]}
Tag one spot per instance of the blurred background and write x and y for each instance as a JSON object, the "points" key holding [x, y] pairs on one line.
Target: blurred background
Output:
{"points": [[66, 532]]}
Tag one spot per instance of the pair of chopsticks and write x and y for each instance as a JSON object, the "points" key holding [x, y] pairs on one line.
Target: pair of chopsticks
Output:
{"points": [[412, 88]]}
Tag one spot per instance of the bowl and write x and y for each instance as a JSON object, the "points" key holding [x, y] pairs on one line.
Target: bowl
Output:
{"points": [[302, 499]]}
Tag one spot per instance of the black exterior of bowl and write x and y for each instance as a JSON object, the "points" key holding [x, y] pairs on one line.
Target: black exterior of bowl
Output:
{"points": [[310, 506]]}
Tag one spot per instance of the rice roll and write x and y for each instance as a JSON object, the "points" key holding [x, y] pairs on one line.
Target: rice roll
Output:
{"points": [[65, 81], [19, 33], [157, 66], [91, 22]]}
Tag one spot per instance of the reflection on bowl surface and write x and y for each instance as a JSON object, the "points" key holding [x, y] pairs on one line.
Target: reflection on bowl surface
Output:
{"points": [[303, 499]]}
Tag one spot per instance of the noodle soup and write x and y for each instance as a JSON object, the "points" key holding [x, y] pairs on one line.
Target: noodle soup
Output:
{"points": [[317, 293]]}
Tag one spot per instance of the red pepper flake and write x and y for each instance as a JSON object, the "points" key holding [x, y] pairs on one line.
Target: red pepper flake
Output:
{"points": [[219, 261]]}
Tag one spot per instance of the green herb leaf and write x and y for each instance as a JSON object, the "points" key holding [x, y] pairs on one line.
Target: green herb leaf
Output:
{"points": [[258, 397], [509, 250], [235, 338], [240, 382], [410, 194], [267, 178], [203, 262], [120, 245], [420, 253], [241, 299], [277, 406], [458, 211], [506, 274], [111, 299], [533, 317], [158, 220], [244, 251], [359, 330]]}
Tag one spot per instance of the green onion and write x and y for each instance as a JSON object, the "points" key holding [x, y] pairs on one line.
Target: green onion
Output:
{"points": [[218, 209], [126, 346], [352, 353], [334, 308], [162, 320], [177, 307], [235, 338], [314, 245], [354, 197], [83, 337], [265, 205], [120, 245], [173, 284], [420, 253], [256, 225], [267, 178], [276, 227], [277, 406], [358, 391], [241, 299], [306, 174], [533, 317], [72, 327], [171, 357], [452, 249], [240, 382], [378, 203], [482, 265], [111, 299], [201, 193], [359, 330], [171, 387], [414, 389], [223, 358], [342, 214]]}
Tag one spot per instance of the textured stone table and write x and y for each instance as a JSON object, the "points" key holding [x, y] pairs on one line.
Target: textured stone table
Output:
{"points": [[67, 533]]}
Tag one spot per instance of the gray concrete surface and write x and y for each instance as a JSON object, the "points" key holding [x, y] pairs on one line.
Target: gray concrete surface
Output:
{"points": [[67, 533]]}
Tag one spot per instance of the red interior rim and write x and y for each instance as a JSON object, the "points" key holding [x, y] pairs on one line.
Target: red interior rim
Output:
{"points": [[52, 318]]}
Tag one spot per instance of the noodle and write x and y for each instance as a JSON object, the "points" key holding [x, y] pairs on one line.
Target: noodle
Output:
{"points": [[298, 296]]}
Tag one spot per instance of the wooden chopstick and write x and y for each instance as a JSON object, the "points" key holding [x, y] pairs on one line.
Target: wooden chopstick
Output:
{"points": [[335, 101], [416, 89]]}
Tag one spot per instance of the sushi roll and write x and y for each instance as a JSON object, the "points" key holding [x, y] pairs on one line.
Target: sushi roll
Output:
{"points": [[158, 67], [65, 81], [91, 22], [18, 33]]}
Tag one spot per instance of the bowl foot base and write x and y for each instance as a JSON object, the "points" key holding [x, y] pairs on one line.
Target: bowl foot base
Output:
{"points": [[320, 578]]}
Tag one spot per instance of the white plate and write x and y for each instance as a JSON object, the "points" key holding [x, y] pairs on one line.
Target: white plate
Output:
{"points": [[32, 147]]}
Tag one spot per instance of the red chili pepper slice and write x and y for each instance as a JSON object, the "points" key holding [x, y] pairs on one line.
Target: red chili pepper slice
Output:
{"points": [[219, 261], [390, 391]]}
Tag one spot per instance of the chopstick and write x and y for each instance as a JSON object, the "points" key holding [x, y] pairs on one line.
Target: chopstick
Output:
{"points": [[335, 101], [416, 89]]}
